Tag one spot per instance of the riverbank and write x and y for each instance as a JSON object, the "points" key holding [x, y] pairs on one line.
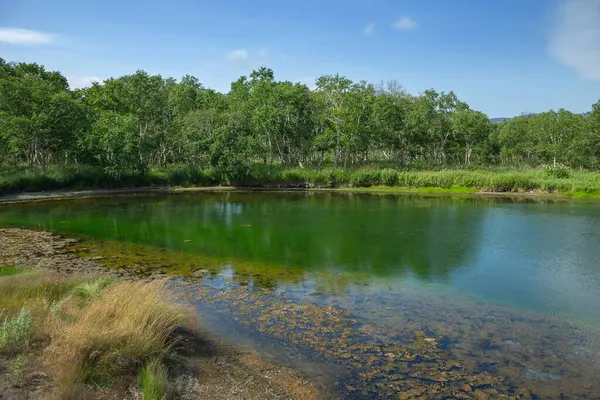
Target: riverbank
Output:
{"points": [[69, 332], [529, 182], [455, 191]]}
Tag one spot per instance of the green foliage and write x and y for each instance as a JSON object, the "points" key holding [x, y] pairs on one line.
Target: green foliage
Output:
{"points": [[154, 382], [17, 369], [15, 333], [557, 171], [87, 291], [142, 129], [8, 271]]}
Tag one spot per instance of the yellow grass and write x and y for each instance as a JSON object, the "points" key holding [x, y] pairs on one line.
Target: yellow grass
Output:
{"points": [[98, 331], [128, 326]]}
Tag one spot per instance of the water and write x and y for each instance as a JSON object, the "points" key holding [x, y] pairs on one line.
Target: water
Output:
{"points": [[505, 289]]}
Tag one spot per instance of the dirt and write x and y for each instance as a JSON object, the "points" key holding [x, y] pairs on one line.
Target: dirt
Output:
{"points": [[211, 368]]}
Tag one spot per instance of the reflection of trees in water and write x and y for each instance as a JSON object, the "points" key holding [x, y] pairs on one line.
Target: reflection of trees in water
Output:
{"points": [[374, 235], [382, 235]]}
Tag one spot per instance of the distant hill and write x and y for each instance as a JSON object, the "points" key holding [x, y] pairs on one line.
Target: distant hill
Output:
{"points": [[499, 119]]}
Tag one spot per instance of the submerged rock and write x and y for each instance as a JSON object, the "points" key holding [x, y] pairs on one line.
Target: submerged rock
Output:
{"points": [[541, 375]]}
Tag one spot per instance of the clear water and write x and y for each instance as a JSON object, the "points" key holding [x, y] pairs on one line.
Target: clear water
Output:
{"points": [[510, 289]]}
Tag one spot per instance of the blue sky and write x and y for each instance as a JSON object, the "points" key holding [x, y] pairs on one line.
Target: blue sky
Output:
{"points": [[503, 57]]}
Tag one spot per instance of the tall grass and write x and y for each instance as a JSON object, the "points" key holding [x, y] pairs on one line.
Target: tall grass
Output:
{"points": [[127, 327], [15, 333], [492, 180], [98, 330]]}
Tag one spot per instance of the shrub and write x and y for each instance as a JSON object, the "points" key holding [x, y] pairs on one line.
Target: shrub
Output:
{"points": [[15, 333], [388, 177], [557, 171]]}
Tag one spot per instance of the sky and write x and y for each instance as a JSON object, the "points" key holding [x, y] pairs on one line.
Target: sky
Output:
{"points": [[503, 57]]}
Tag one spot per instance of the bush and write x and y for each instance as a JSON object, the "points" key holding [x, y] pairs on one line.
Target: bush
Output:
{"points": [[15, 333], [557, 171], [388, 177]]}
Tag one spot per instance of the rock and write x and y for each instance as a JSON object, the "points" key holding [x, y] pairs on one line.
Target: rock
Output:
{"points": [[200, 273], [540, 375]]}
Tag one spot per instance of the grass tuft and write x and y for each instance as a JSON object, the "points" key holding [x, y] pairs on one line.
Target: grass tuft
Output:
{"points": [[129, 325], [154, 381], [87, 291], [16, 333]]}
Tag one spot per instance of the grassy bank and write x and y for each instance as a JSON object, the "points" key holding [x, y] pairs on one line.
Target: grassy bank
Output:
{"points": [[95, 334], [583, 184]]}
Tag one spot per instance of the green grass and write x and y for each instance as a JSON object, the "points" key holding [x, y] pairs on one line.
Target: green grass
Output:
{"points": [[154, 382], [9, 271], [16, 333], [575, 183]]}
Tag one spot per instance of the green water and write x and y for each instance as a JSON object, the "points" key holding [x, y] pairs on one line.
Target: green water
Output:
{"points": [[526, 275]]}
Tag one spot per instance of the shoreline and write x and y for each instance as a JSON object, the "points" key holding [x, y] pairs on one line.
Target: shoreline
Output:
{"points": [[219, 368], [40, 196]]}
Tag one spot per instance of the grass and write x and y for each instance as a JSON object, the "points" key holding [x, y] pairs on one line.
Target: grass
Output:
{"points": [[8, 271], [575, 183], [127, 327], [154, 381], [16, 332], [93, 331]]}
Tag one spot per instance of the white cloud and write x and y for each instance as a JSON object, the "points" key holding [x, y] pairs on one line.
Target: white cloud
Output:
{"points": [[405, 23], [77, 82], [369, 29], [574, 37], [247, 58], [237, 55], [25, 37]]}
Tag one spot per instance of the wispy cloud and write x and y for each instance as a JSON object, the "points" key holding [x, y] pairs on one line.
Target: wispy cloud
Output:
{"points": [[405, 23], [25, 37], [237, 55], [369, 29], [77, 82], [574, 37], [247, 58]]}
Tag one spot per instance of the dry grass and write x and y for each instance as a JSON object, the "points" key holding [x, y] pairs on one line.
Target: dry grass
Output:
{"points": [[20, 290], [129, 325], [93, 331]]}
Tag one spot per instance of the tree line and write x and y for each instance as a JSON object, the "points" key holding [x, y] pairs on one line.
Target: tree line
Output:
{"points": [[132, 123]]}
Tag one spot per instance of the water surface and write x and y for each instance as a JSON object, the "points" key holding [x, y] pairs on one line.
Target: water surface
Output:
{"points": [[507, 289]]}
